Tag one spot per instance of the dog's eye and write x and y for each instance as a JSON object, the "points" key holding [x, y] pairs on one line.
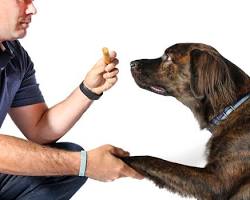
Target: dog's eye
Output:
{"points": [[167, 57]]}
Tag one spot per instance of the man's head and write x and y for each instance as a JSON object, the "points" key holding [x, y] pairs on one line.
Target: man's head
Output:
{"points": [[15, 16]]}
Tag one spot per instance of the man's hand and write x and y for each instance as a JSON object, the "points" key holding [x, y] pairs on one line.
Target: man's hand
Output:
{"points": [[103, 164], [45, 125], [102, 76]]}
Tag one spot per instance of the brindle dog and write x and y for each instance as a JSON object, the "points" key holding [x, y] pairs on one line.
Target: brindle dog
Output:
{"points": [[206, 82]]}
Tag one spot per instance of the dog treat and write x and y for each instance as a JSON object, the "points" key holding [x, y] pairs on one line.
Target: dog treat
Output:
{"points": [[105, 52]]}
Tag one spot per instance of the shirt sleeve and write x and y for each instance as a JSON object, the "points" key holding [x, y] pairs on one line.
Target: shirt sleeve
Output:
{"points": [[28, 92]]}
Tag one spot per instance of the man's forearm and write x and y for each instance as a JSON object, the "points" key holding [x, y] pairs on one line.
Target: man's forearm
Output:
{"points": [[21, 157], [56, 121]]}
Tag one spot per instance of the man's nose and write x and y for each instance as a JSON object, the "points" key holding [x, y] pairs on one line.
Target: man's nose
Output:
{"points": [[31, 9]]}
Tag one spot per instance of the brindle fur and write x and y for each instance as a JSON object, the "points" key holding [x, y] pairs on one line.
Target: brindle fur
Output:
{"points": [[206, 82]]}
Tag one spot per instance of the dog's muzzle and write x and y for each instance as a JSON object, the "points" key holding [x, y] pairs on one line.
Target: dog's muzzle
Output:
{"points": [[141, 77]]}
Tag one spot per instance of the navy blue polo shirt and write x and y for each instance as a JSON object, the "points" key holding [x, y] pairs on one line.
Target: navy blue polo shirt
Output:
{"points": [[18, 86]]}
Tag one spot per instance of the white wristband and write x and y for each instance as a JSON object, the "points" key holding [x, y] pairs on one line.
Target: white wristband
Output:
{"points": [[83, 163]]}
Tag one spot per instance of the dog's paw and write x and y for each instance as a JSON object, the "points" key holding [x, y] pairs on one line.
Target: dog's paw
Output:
{"points": [[150, 167]]}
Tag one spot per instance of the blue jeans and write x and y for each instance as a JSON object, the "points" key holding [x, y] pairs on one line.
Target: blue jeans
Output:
{"points": [[41, 187]]}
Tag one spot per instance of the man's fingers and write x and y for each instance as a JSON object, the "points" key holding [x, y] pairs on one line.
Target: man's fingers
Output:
{"points": [[111, 74], [123, 170], [108, 57], [112, 55], [126, 171], [112, 65], [118, 152], [101, 67], [130, 172]]}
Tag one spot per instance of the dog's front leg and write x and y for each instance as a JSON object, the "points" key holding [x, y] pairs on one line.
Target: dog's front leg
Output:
{"points": [[186, 180]]}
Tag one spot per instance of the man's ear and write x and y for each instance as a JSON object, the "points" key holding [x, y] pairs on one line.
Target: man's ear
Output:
{"points": [[211, 79]]}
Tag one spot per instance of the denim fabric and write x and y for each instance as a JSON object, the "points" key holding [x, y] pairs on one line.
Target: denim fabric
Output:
{"points": [[41, 188]]}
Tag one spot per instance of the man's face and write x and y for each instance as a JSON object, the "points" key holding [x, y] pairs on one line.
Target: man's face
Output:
{"points": [[15, 16]]}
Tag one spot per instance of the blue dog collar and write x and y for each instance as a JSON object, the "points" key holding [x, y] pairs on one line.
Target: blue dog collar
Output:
{"points": [[228, 110]]}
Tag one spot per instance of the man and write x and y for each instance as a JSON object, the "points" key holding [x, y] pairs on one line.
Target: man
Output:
{"points": [[47, 170]]}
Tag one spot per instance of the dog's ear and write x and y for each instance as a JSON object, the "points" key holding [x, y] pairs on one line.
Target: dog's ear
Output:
{"points": [[241, 79], [196, 59], [210, 78]]}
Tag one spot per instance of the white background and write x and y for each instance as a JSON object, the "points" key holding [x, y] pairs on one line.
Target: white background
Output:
{"points": [[65, 40]]}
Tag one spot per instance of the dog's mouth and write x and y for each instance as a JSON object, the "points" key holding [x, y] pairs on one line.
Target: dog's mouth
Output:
{"points": [[141, 82], [145, 82], [151, 87], [158, 90]]}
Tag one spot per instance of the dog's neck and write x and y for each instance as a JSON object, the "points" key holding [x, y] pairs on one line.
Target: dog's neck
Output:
{"points": [[228, 110], [224, 116], [237, 120], [204, 113], [204, 110]]}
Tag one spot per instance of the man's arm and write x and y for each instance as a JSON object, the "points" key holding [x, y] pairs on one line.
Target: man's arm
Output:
{"points": [[44, 125], [21, 157]]}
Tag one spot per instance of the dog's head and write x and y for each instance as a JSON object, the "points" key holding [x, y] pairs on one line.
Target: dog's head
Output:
{"points": [[196, 74]]}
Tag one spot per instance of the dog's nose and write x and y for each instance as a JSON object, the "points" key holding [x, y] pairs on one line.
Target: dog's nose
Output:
{"points": [[134, 63]]}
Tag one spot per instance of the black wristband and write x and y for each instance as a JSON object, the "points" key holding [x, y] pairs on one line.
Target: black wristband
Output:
{"points": [[87, 92]]}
